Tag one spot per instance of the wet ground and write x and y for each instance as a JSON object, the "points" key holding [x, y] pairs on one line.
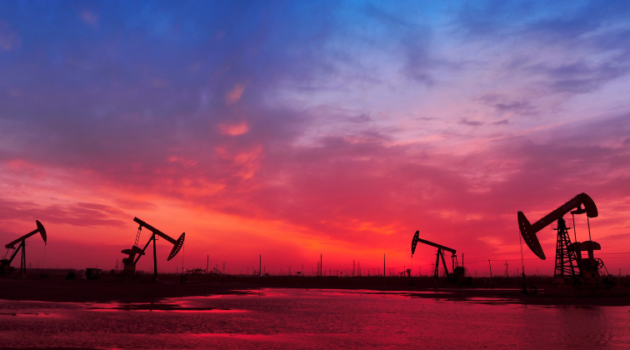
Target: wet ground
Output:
{"points": [[314, 319]]}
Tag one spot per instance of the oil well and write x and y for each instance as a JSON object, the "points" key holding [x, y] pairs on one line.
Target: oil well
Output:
{"points": [[570, 267], [135, 253], [5, 264], [459, 272]]}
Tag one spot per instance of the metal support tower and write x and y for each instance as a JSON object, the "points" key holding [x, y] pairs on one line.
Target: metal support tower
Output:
{"points": [[436, 272], [23, 261], [566, 260]]}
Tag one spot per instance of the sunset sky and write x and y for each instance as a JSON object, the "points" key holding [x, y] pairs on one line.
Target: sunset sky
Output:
{"points": [[297, 128]]}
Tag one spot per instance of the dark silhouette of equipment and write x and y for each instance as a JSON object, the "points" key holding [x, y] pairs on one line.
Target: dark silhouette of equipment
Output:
{"points": [[568, 255], [5, 264], [129, 263], [458, 271], [566, 258]]}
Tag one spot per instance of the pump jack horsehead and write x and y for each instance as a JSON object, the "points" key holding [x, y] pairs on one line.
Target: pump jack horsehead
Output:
{"points": [[567, 254], [5, 264], [130, 261]]}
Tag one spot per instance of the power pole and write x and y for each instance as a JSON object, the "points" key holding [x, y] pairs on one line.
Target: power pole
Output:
{"points": [[384, 265], [260, 266], [154, 259], [321, 267], [490, 268]]}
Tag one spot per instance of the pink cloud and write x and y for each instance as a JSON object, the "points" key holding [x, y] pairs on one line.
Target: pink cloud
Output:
{"points": [[235, 129], [234, 95]]}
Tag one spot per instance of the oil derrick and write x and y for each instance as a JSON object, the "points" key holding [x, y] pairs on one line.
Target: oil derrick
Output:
{"points": [[131, 260], [5, 264], [568, 255], [459, 272], [565, 255]]}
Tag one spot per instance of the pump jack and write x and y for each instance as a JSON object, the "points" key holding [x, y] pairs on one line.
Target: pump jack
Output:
{"points": [[568, 255], [131, 261], [458, 271], [5, 264]]}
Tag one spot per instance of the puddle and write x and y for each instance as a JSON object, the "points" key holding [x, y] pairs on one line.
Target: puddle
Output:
{"points": [[180, 305], [28, 314]]}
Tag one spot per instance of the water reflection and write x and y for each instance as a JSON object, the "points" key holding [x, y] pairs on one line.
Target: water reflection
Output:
{"points": [[277, 318]]}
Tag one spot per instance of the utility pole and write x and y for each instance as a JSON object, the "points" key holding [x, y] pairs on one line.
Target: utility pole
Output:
{"points": [[260, 265], [207, 263], [490, 268], [154, 259], [384, 265], [321, 266]]}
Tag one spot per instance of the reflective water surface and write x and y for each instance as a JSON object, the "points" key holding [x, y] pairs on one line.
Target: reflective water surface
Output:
{"points": [[313, 319]]}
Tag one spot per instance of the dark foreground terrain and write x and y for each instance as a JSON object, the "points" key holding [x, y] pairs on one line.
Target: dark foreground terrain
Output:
{"points": [[144, 289]]}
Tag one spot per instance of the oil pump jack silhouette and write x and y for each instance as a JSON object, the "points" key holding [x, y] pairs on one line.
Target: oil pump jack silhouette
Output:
{"points": [[458, 273], [129, 263], [5, 264], [568, 254]]}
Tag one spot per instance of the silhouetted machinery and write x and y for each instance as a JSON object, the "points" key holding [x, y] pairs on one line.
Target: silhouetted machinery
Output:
{"points": [[459, 272], [131, 260], [568, 256], [5, 264]]}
